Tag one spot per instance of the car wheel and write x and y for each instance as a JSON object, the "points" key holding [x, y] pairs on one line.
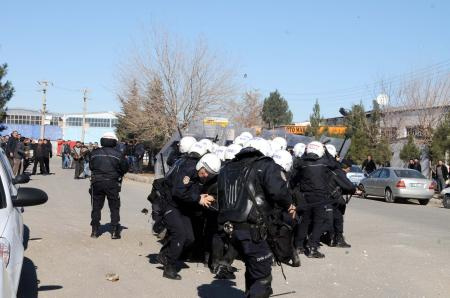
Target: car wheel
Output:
{"points": [[446, 201], [363, 190], [388, 196], [424, 202]]}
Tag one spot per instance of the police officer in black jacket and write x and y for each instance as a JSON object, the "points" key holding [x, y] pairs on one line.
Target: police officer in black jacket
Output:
{"points": [[311, 178], [249, 187], [108, 167], [184, 182], [345, 187]]}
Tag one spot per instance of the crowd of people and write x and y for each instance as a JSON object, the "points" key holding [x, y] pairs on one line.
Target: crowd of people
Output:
{"points": [[255, 199], [23, 152]]}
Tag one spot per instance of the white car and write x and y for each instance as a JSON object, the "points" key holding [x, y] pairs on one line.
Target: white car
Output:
{"points": [[445, 193], [355, 175], [11, 224]]}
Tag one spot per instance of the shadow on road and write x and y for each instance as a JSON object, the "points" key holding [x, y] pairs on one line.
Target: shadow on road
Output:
{"points": [[219, 289], [29, 283], [107, 228]]}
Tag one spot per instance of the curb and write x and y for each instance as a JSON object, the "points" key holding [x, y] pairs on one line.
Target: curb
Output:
{"points": [[139, 178]]}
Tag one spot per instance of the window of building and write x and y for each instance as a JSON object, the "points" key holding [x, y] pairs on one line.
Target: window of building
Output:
{"points": [[415, 131], [92, 122]]}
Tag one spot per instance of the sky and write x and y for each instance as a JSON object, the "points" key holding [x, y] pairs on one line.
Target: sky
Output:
{"points": [[333, 51]]}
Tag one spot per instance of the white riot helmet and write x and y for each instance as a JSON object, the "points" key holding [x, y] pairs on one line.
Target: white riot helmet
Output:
{"points": [[220, 152], [198, 148], [110, 135], [231, 151], [208, 144], [247, 135], [281, 141], [261, 145], [316, 148], [214, 147], [275, 146], [186, 143], [284, 159], [210, 162], [241, 140], [331, 149], [299, 149]]}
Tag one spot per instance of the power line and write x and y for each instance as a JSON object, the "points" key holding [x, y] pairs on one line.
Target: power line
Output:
{"points": [[438, 68]]}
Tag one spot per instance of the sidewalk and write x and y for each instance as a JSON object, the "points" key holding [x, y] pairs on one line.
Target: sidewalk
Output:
{"points": [[144, 178]]}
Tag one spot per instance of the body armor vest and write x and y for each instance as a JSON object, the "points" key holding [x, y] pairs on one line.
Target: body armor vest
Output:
{"points": [[237, 185]]}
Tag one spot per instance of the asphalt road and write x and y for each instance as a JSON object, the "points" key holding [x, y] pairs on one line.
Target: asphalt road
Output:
{"points": [[398, 250]]}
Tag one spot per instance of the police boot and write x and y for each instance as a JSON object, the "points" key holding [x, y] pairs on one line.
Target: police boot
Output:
{"points": [[170, 272], [95, 233], [260, 288], [116, 232], [339, 241], [313, 252], [295, 259]]}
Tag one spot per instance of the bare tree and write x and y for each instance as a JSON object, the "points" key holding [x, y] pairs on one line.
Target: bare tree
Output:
{"points": [[428, 99], [415, 106], [247, 111], [194, 81]]}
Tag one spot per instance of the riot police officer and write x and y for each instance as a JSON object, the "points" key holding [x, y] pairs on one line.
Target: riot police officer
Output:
{"points": [[108, 166], [180, 149], [249, 187], [312, 172], [184, 181]]}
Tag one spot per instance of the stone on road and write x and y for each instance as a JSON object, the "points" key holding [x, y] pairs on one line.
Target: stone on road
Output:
{"points": [[398, 250]]}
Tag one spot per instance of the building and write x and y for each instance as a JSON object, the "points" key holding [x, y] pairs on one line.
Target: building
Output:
{"points": [[28, 123], [96, 125], [59, 126]]}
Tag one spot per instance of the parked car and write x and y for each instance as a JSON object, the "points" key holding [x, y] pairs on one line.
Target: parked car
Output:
{"points": [[398, 183], [445, 193], [12, 199], [355, 175]]}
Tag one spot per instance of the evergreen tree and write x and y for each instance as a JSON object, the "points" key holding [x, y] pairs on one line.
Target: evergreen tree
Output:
{"points": [[357, 130], [275, 110], [410, 150], [440, 143], [315, 120], [6, 91]]}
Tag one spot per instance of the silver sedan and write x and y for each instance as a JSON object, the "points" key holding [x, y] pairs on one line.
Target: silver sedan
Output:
{"points": [[398, 183]]}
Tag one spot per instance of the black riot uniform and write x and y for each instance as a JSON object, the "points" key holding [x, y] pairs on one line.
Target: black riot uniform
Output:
{"points": [[310, 176], [108, 167], [248, 179], [184, 187], [341, 186]]}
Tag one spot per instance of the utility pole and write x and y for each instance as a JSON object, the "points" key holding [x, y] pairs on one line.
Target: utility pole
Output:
{"points": [[83, 127], [44, 85]]}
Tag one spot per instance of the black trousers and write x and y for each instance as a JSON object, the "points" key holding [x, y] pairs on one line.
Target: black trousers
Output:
{"points": [[222, 251], [40, 161], [26, 164], [257, 257], [317, 217], [47, 164], [181, 234], [79, 167], [99, 191], [338, 219]]}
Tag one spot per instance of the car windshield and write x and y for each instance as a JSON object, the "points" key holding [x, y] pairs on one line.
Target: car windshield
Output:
{"points": [[355, 169], [409, 174]]}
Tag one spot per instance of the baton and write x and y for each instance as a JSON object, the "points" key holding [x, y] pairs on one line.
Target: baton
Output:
{"points": [[179, 131], [162, 163], [342, 146], [282, 294]]}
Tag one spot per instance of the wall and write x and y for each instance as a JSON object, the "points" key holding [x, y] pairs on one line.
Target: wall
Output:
{"points": [[52, 132]]}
